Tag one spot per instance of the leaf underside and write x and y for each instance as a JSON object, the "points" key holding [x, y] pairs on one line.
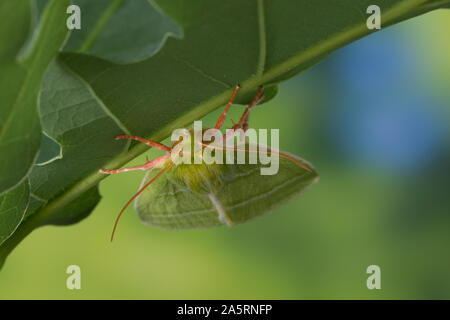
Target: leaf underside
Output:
{"points": [[121, 31], [20, 80], [90, 96], [12, 209]]}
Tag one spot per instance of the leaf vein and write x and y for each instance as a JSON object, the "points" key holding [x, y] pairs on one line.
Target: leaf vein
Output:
{"points": [[262, 39], [200, 71]]}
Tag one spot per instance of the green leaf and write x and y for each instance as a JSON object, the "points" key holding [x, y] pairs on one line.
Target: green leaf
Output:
{"points": [[121, 31], [76, 119], [50, 150], [86, 101], [20, 133], [12, 209], [76, 210], [237, 191]]}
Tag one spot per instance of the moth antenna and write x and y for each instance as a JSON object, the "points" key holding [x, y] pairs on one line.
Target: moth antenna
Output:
{"points": [[135, 196], [281, 154]]}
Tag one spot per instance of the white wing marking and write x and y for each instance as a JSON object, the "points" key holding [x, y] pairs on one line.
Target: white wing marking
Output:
{"points": [[223, 217]]}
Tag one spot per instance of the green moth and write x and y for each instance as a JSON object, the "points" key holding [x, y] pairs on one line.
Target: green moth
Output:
{"points": [[201, 194], [226, 194]]}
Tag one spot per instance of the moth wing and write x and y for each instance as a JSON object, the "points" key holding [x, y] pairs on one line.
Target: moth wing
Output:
{"points": [[244, 195], [171, 206]]}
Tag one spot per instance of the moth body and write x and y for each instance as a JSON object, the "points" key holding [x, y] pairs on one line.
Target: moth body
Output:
{"points": [[202, 194]]}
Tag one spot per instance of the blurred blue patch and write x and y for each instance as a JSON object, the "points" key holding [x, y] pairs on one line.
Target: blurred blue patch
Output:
{"points": [[382, 116], [397, 134]]}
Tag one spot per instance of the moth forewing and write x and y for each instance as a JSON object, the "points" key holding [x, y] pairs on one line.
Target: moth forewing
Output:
{"points": [[241, 194], [171, 205]]}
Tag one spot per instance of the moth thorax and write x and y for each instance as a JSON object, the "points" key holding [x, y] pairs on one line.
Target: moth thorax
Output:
{"points": [[200, 178], [193, 146]]}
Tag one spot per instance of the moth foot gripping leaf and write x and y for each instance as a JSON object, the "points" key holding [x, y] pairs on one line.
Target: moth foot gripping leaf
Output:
{"points": [[200, 195]]}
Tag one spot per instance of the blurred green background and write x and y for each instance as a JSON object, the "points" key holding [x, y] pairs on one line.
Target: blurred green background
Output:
{"points": [[374, 119]]}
